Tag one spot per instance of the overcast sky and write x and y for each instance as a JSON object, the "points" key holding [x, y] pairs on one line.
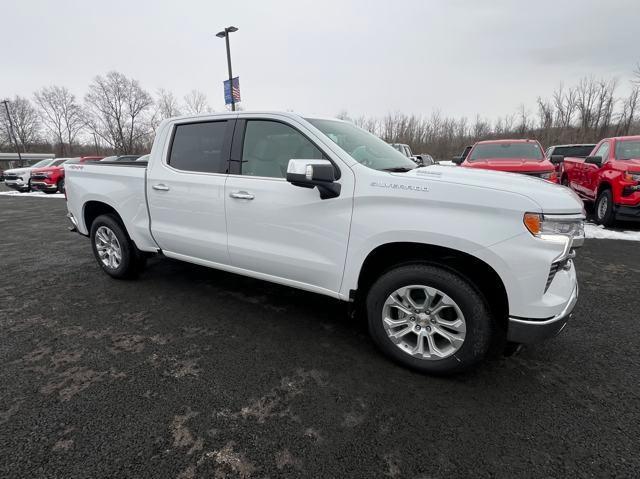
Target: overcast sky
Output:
{"points": [[461, 57]]}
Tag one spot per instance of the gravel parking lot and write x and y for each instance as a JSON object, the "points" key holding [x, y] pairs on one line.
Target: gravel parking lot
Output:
{"points": [[190, 372]]}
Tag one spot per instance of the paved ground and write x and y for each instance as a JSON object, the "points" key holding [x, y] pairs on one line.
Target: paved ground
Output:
{"points": [[190, 372]]}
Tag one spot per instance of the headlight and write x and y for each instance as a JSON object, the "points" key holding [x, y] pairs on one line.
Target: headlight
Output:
{"points": [[548, 176], [47, 173], [632, 177], [555, 227]]}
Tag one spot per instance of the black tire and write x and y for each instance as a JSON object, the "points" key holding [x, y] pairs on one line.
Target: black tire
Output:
{"points": [[49, 192], [604, 213], [479, 324], [565, 181], [61, 186], [132, 260]]}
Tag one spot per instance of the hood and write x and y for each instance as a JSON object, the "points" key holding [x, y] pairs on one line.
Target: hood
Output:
{"points": [[17, 171], [633, 164], [47, 168], [511, 164], [552, 198]]}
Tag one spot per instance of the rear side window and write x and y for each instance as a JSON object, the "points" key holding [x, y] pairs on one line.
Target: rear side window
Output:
{"points": [[199, 147]]}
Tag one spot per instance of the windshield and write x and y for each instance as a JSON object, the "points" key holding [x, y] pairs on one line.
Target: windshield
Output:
{"points": [[58, 162], [42, 163], [578, 151], [505, 151], [363, 147], [628, 150]]}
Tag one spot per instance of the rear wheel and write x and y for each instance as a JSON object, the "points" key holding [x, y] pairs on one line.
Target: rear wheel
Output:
{"points": [[604, 208], [429, 319], [116, 254]]}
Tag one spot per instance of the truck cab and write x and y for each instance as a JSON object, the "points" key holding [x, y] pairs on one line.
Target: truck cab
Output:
{"points": [[609, 178]]}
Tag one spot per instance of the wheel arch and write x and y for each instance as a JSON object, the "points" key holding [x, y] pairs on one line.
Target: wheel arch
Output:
{"points": [[94, 208], [479, 274]]}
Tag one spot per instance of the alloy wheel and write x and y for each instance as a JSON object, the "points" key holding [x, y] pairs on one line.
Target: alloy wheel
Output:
{"points": [[108, 247], [424, 322]]}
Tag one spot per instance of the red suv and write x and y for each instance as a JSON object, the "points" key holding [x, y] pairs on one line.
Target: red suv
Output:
{"points": [[51, 178], [516, 156], [610, 177]]}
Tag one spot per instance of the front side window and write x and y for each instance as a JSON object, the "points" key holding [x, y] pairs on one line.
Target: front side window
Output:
{"points": [[199, 147], [603, 151], [269, 145], [577, 151], [362, 146], [506, 151]]}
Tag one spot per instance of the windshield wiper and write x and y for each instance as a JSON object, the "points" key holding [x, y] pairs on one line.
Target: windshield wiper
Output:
{"points": [[398, 169]]}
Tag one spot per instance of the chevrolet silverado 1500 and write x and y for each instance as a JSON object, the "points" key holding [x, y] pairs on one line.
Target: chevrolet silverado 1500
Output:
{"points": [[609, 177], [445, 262]]}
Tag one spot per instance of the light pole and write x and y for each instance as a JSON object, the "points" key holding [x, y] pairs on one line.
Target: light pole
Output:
{"points": [[11, 132], [225, 34]]}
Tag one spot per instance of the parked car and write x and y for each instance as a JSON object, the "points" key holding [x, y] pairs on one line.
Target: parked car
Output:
{"points": [[443, 261], [420, 160], [50, 179], [516, 156], [121, 158], [609, 177], [20, 178]]}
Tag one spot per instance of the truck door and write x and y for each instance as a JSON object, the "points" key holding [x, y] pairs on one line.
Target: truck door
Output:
{"points": [[278, 229], [185, 191], [591, 173]]}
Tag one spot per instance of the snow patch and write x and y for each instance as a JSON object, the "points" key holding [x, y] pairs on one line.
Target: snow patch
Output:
{"points": [[600, 232], [32, 194]]}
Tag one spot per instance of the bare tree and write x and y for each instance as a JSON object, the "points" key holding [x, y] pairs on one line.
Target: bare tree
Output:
{"points": [[167, 104], [196, 102], [62, 116], [26, 121], [118, 112]]}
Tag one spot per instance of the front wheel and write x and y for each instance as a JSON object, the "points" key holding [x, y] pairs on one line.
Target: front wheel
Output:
{"points": [[61, 186], [429, 319], [604, 208], [116, 254]]}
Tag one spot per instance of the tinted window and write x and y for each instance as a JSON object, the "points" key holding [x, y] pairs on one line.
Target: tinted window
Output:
{"points": [[503, 151], [628, 150], [578, 151], [199, 147], [58, 162], [269, 145]]}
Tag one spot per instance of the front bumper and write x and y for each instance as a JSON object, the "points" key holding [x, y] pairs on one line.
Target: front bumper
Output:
{"points": [[42, 186], [530, 331], [16, 184], [628, 213]]}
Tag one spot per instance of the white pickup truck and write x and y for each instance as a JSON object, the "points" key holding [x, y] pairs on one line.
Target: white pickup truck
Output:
{"points": [[446, 262]]}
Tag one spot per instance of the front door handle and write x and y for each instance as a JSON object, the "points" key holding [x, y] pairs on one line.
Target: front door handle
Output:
{"points": [[242, 195], [160, 187]]}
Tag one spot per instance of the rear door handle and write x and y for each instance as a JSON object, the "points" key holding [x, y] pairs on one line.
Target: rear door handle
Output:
{"points": [[160, 187], [242, 195]]}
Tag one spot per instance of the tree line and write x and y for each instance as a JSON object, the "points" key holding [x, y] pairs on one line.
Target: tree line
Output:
{"points": [[118, 116], [115, 116], [583, 113]]}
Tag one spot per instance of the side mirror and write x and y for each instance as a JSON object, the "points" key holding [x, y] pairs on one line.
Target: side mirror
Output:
{"points": [[418, 160], [314, 173], [556, 159], [593, 160], [457, 160]]}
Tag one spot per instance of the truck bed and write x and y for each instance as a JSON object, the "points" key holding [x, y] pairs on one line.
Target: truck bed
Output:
{"points": [[120, 185]]}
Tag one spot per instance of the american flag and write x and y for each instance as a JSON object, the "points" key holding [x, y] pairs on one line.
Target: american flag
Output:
{"points": [[235, 90]]}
